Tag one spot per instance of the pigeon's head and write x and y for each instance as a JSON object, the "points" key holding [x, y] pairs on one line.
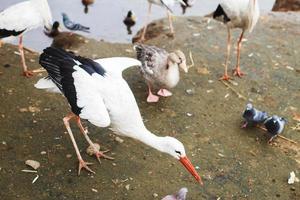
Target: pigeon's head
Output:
{"points": [[65, 17], [249, 112], [178, 58]]}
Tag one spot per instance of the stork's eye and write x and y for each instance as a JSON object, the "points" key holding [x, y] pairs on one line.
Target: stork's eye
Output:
{"points": [[178, 152]]}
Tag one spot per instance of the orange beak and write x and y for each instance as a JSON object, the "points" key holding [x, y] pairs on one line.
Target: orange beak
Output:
{"points": [[189, 166]]}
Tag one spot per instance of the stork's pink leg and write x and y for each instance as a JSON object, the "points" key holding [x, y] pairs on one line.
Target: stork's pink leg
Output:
{"points": [[170, 24], [1, 43], [151, 97], [164, 93], [21, 50], [225, 77], [146, 24], [237, 71], [82, 163], [98, 153]]}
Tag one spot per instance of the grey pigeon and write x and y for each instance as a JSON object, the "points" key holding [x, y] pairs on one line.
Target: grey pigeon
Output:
{"points": [[253, 116], [275, 126], [181, 195], [74, 26]]}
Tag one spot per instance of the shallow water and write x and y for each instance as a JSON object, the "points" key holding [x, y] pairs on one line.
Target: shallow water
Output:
{"points": [[105, 18]]}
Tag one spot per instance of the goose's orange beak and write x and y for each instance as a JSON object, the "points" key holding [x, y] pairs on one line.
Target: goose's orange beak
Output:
{"points": [[189, 166]]}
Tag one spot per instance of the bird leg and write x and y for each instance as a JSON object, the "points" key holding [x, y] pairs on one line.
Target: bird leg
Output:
{"points": [[245, 124], [1, 43], [151, 97], [146, 24], [164, 93], [21, 50], [82, 163], [97, 153], [225, 77], [171, 34], [237, 71]]}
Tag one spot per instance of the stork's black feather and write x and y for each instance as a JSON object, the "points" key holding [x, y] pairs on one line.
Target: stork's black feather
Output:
{"points": [[220, 13], [7, 33], [60, 67]]}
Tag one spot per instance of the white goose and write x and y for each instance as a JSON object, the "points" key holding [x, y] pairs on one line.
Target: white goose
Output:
{"points": [[168, 4], [97, 92], [242, 14], [21, 18]]}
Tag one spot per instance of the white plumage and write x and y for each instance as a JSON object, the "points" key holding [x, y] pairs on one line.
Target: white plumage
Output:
{"points": [[242, 14], [21, 18], [97, 92]]}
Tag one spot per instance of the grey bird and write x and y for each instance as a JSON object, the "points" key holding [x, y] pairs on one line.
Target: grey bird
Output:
{"points": [[160, 69], [181, 195], [74, 26], [275, 126], [253, 116]]}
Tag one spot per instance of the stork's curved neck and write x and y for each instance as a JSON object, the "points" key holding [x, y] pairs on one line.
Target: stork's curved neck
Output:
{"points": [[151, 140]]}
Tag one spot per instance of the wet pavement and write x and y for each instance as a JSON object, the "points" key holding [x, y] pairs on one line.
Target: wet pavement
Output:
{"points": [[234, 163]]}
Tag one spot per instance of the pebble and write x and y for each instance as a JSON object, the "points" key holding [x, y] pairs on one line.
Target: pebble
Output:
{"points": [[127, 186], [118, 139], [155, 195], [189, 114], [190, 91], [94, 190], [43, 152], [69, 155]]}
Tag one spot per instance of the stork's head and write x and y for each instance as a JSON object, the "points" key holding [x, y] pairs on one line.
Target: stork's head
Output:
{"points": [[176, 149], [178, 58]]}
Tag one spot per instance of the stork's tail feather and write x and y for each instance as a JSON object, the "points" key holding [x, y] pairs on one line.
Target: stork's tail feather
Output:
{"points": [[47, 84]]}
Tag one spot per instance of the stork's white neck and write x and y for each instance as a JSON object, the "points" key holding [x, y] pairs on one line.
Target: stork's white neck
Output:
{"points": [[151, 140]]}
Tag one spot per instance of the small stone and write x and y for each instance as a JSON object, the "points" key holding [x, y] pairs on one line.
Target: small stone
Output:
{"points": [[189, 114], [68, 155], [114, 164], [127, 186], [94, 190], [32, 163], [293, 188], [43, 152], [118, 139], [155, 195], [197, 167], [190, 91]]}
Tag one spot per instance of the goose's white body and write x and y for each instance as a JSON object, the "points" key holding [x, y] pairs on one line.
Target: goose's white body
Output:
{"points": [[26, 16]]}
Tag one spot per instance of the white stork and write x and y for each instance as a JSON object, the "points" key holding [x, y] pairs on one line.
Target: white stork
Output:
{"points": [[21, 18], [242, 14], [168, 4], [96, 91]]}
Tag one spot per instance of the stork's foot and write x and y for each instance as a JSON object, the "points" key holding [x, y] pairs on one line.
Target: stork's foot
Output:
{"points": [[164, 93], [101, 154], [28, 74], [225, 77], [84, 165], [238, 72], [152, 98]]}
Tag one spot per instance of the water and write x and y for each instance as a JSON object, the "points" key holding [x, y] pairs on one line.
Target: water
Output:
{"points": [[105, 17]]}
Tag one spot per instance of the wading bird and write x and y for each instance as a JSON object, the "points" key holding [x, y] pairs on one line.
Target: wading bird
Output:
{"points": [[86, 4], [242, 14], [160, 69], [20, 18], [168, 4], [96, 91], [54, 31], [129, 21]]}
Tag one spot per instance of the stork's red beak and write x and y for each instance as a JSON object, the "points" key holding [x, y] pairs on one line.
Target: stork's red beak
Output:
{"points": [[189, 166]]}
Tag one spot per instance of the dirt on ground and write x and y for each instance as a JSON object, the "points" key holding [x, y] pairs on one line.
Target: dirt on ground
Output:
{"points": [[204, 113]]}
